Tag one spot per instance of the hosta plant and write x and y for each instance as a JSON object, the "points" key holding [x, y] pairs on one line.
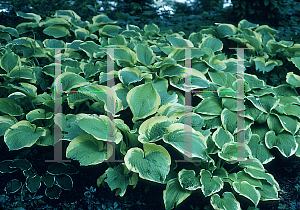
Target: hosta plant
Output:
{"points": [[142, 125]]}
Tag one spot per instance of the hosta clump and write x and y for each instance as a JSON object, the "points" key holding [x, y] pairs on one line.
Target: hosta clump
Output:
{"points": [[153, 83], [56, 178]]}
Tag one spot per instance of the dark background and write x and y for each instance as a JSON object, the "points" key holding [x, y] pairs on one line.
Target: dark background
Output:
{"points": [[283, 15]]}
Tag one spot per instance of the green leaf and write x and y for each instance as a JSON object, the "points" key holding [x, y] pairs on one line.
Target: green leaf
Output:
{"points": [[228, 202], [102, 128], [68, 80], [252, 163], [143, 101], [246, 24], [216, 64], [27, 88], [151, 29], [212, 43], [220, 137], [177, 42], [56, 31], [10, 30], [209, 106], [22, 72], [262, 65], [56, 21], [122, 53], [22, 134], [256, 41], [290, 124], [144, 54], [153, 129], [9, 61], [261, 174], [268, 192], [6, 122], [186, 140], [285, 90], [224, 79], [229, 151], [102, 19], [88, 150], [90, 48], [285, 143], [195, 38], [174, 194], [130, 75], [67, 13], [264, 103], [118, 40], [152, 164], [109, 30], [226, 30], [296, 61], [247, 190], [196, 121], [105, 94], [293, 79], [259, 149], [9, 106], [83, 34], [47, 140], [29, 16], [253, 81], [210, 184], [171, 71], [54, 43], [117, 177], [38, 114], [188, 180], [274, 124], [229, 120]]}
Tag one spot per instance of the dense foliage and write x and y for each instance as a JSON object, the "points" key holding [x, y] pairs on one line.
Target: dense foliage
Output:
{"points": [[143, 119]]}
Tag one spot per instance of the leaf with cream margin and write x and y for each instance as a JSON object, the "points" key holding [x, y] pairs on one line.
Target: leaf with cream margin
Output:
{"points": [[220, 137], [178, 42], [289, 123], [186, 140], [247, 190], [212, 43], [228, 202], [210, 184], [88, 150], [188, 180], [101, 127], [284, 142], [293, 79], [209, 106], [229, 151], [144, 54], [143, 101], [259, 149], [264, 103], [153, 129], [152, 163], [68, 81], [296, 61], [22, 134], [105, 94], [6, 122], [10, 107]]}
